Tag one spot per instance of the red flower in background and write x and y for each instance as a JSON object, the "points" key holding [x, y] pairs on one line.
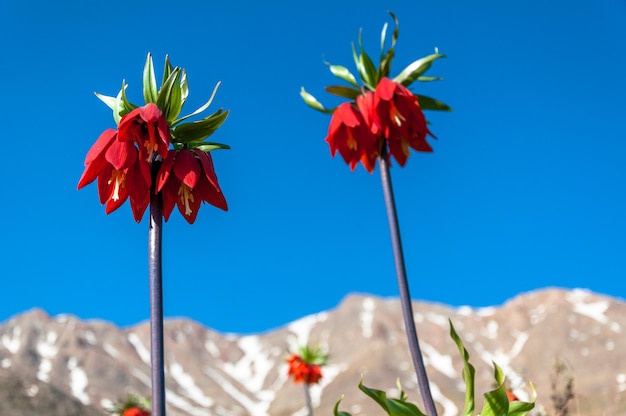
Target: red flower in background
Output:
{"points": [[511, 396], [193, 181], [303, 372], [135, 411]]}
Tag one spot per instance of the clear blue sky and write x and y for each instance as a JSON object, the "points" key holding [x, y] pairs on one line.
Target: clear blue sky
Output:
{"points": [[525, 189]]}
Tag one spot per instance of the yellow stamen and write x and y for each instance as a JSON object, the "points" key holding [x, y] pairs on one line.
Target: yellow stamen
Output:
{"points": [[119, 177], [352, 143], [186, 196]]}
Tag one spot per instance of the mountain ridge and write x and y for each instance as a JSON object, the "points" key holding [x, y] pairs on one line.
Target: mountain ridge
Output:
{"points": [[94, 362]]}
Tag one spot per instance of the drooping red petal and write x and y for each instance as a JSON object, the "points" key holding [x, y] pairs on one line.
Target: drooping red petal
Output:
{"points": [[165, 169], [169, 193], [121, 155], [138, 190], [100, 146], [187, 168]]}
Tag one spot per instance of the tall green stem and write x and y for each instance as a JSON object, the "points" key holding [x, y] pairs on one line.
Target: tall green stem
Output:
{"points": [[156, 305], [405, 296], [307, 398]]}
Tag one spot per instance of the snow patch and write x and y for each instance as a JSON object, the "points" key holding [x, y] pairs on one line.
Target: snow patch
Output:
{"points": [[491, 331], [464, 310], [32, 390], [438, 319], [621, 382], [593, 310], [179, 402], [145, 379], [254, 407], [441, 362], [12, 343], [78, 381], [449, 408], [212, 348], [187, 383], [329, 374], [90, 337], [47, 350], [142, 351], [110, 349], [252, 369], [5, 363], [303, 326], [488, 311], [504, 359], [367, 317]]}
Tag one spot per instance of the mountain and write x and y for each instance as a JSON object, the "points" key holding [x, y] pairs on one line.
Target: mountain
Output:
{"points": [[62, 366]]}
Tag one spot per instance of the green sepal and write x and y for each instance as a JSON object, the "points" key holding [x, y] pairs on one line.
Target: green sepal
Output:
{"points": [[428, 103], [416, 69], [169, 99], [110, 102], [150, 92], [312, 102], [184, 92], [365, 65], [343, 91], [199, 130], [336, 411], [468, 372], [343, 73]]}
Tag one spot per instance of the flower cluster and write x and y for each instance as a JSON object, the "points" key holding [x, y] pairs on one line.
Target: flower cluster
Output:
{"points": [[383, 117], [132, 405], [305, 366], [136, 161]]}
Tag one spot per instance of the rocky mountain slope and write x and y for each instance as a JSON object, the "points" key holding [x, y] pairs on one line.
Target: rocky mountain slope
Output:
{"points": [[64, 366]]}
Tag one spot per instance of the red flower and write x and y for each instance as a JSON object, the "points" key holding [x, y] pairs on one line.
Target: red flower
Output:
{"points": [[135, 411], [399, 119], [194, 180], [349, 133], [147, 127], [302, 371], [120, 175], [511, 396]]}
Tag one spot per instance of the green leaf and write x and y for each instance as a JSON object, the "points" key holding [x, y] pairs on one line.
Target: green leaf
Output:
{"points": [[384, 66], [149, 81], [428, 103], [416, 69], [343, 91], [429, 79], [378, 396], [199, 130], [184, 86], [343, 73], [167, 69], [124, 106], [400, 408], [111, 102], [209, 146], [520, 408], [313, 103], [169, 99], [336, 411], [185, 91], [468, 373]]}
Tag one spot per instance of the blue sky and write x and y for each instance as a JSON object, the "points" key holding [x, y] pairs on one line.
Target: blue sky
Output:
{"points": [[525, 189]]}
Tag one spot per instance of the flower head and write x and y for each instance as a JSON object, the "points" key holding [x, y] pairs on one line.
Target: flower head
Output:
{"points": [[382, 117], [132, 405], [122, 159], [305, 366]]}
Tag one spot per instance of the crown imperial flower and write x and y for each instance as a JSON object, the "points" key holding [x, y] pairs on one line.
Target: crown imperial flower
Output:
{"points": [[382, 115], [122, 160], [305, 365]]}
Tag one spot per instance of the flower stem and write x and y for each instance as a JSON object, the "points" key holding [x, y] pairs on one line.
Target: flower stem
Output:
{"points": [[156, 305], [307, 398], [405, 296]]}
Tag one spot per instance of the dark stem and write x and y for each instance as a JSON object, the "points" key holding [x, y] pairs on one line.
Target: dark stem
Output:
{"points": [[403, 284], [156, 305], [307, 398]]}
